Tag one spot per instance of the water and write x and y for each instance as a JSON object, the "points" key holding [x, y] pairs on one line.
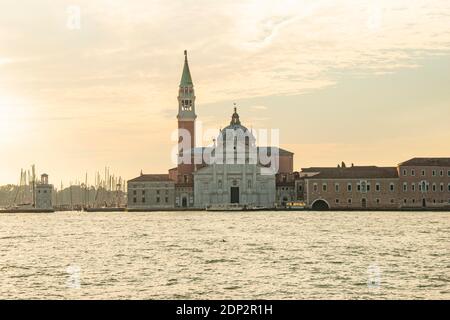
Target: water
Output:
{"points": [[254, 255]]}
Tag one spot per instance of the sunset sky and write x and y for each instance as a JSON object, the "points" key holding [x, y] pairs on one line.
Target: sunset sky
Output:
{"points": [[366, 82]]}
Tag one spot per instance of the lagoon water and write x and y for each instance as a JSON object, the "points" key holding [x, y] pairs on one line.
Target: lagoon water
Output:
{"points": [[231, 255]]}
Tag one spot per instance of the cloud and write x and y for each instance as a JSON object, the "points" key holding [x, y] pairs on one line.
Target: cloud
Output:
{"points": [[121, 69], [259, 107], [237, 49]]}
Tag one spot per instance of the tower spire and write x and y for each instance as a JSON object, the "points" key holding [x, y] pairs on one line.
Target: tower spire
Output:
{"points": [[186, 79]]}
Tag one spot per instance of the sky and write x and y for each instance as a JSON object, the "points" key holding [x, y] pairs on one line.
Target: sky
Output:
{"points": [[88, 84]]}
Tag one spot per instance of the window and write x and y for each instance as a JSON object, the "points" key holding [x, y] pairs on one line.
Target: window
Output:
{"points": [[300, 188], [404, 172], [392, 201], [45, 191], [219, 183], [434, 187], [413, 200], [448, 173], [349, 187], [157, 191], [143, 192], [324, 187], [134, 192], [413, 186], [378, 201], [249, 184], [448, 187], [315, 188], [368, 187], [134, 200], [441, 173], [157, 199], [362, 186], [405, 201], [405, 187], [377, 187], [349, 201], [143, 200], [336, 201], [167, 199], [423, 173], [391, 187], [442, 187], [433, 173], [413, 172], [336, 187]]}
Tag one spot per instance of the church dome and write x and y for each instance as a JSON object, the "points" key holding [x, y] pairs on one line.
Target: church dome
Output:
{"points": [[237, 133]]}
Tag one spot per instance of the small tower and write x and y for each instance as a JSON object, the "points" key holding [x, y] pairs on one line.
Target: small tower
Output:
{"points": [[43, 194], [186, 124]]}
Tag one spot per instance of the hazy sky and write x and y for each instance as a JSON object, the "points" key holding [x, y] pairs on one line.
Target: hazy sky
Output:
{"points": [[366, 82]]}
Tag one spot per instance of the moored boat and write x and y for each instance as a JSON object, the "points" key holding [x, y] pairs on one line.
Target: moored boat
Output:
{"points": [[296, 205], [234, 207]]}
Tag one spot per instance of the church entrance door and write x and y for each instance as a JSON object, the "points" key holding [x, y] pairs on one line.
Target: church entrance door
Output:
{"points": [[234, 194], [184, 202]]}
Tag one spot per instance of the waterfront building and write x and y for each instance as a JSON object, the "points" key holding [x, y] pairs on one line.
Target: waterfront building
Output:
{"points": [[43, 194], [425, 183], [415, 183], [286, 183], [354, 187], [151, 191]]}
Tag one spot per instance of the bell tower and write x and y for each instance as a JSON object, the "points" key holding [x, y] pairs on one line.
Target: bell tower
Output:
{"points": [[186, 124]]}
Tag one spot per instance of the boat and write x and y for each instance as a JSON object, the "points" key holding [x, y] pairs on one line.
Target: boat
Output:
{"points": [[105, 209], [296, 205], [234, 207], [25, 210]]}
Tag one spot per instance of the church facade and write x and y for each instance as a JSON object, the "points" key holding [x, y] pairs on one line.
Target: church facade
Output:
{"points": [[233, 174]]}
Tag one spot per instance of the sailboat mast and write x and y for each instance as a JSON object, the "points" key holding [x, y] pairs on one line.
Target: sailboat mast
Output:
{"points": [[34, 185]]}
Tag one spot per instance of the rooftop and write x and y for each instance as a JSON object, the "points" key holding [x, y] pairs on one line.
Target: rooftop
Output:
{"points": [[151, 178], [427, 162], [354, 172]]}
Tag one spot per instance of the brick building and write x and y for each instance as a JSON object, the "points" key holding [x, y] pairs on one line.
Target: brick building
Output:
{"points": [[425, 182], [413, 184]]}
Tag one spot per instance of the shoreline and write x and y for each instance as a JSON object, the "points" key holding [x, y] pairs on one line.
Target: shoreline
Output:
{"points": [[125, 210]]}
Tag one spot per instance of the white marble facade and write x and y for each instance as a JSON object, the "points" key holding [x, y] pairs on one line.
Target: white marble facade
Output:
{"points": [[233, 183]]}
